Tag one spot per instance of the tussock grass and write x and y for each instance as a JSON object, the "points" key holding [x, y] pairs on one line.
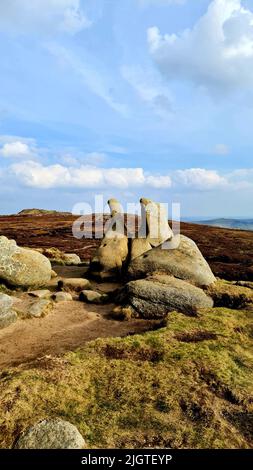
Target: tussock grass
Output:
{"points": [[229, 295], [159, 389]]}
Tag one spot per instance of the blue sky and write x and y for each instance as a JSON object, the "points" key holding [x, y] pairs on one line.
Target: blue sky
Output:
{"points": [[127, 98]]}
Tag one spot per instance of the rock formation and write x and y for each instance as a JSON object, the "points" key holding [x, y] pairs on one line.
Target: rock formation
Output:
{"points": [[165, 278], [113, 251], [154, 229]]}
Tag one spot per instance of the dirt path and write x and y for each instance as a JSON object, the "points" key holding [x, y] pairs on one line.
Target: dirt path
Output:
{"points": [[68, 326]]}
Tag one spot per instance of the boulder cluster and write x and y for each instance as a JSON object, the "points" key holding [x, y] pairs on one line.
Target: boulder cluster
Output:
{"points": [[163, 271], [160, 271]]}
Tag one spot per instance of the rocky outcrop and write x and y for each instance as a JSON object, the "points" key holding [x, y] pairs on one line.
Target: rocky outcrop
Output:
{"points": [[22, 267], [51, 434], [185, 262], [7, 314], [155, 296]]}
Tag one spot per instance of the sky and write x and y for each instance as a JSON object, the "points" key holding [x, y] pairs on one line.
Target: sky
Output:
{"points": [[128, 99]]}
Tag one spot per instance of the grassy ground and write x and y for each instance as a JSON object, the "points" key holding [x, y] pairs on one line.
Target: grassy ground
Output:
{"points": [[187, 385]]}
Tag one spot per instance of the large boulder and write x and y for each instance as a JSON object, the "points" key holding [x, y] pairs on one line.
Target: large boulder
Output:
{"points": [[7, 314], [183, 260], [154, 297], [22, 267], [51, 434]]}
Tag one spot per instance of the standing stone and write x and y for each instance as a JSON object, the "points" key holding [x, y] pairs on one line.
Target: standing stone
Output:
{"points": [[154, 229], [22, 267], [112, 253], [158, 229]]}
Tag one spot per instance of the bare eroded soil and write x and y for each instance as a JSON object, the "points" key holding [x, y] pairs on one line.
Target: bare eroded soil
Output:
{"points": [[67, 326]]}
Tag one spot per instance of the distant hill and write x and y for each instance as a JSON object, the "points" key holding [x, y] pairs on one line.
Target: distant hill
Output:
{"points": [[41, 212], [239, 224]]}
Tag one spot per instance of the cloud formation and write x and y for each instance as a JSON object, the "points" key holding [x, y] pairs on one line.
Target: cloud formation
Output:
{"points": [[212, 53], [36, 175], [44, 16], [17, 148], [199, 179]]}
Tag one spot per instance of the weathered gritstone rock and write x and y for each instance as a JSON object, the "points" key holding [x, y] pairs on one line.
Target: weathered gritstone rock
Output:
{"points": [[154, 229], [62, 297], [71, 259], [51, 434], [139, 246], [74, 284], [92, 297], [156, 219], [22, 267], [156, 296], [7, 314], [40, 308], [112, 253], [40, 294], [185, 262]]}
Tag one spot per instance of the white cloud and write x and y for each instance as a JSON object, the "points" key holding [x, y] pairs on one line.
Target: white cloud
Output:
{"points": [[43, 16], [17, 149], [221, 149], [217, 53], [148, 88], [199, 178], [159, 181], [36, 175]]}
